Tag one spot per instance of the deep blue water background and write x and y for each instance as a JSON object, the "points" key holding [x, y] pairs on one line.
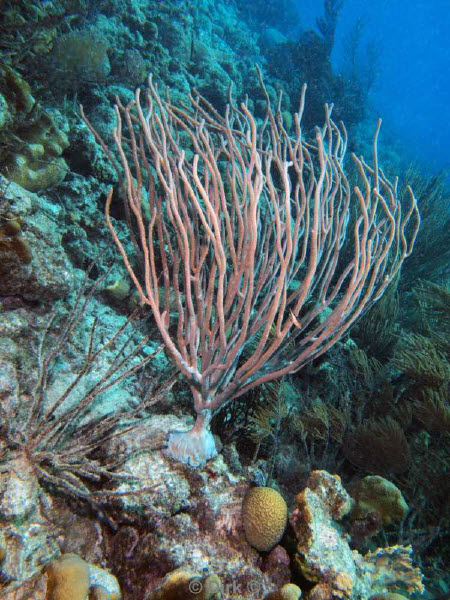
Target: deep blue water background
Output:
{"points": [[412, 91]]}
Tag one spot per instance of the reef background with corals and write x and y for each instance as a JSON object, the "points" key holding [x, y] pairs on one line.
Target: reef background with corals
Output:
{"points": [[357, 443]]}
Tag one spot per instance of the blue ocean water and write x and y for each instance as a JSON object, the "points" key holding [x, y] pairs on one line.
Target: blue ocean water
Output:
{"points": [[412, 91]]}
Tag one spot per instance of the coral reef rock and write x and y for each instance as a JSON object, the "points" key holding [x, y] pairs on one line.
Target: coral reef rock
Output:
{"points": [[325, 557]]}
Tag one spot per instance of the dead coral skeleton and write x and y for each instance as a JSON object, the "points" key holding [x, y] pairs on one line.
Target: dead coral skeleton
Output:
{"points": [[60, 438]]}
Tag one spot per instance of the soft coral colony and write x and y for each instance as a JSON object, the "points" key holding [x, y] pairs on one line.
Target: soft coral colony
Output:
{"points": [[247, 229]]}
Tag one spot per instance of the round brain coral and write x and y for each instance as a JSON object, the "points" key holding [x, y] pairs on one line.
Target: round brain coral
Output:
{"points": [[264, 515]]}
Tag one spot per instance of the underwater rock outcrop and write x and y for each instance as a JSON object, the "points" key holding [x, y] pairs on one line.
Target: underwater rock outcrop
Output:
{"points": [[324, 555], [33, 265]]}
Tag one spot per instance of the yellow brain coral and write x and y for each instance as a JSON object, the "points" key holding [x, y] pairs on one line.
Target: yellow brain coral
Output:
{"points": [[68, 578], [264, 515]]}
